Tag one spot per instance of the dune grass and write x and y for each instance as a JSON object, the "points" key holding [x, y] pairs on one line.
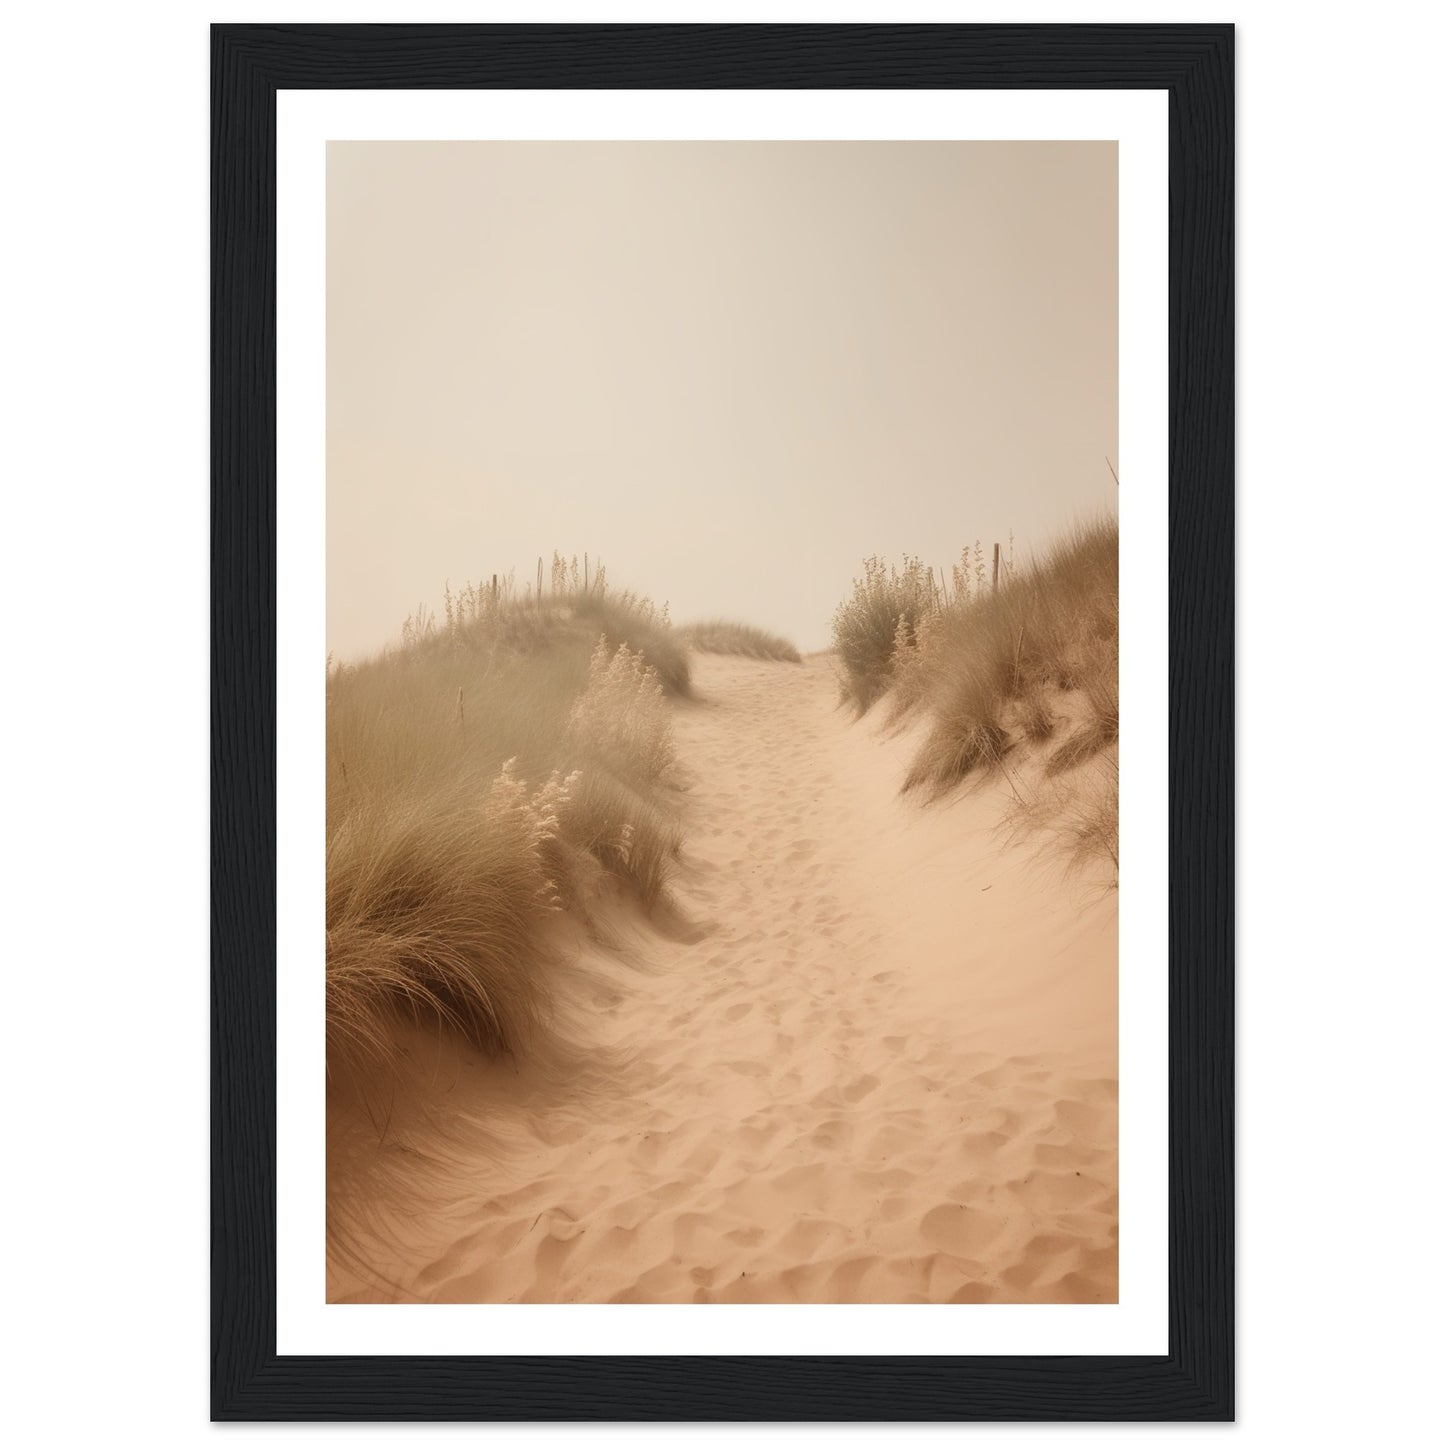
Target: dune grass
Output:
{"points": [[739, 640], [1032, 665], [505, 764], [888, 603]]}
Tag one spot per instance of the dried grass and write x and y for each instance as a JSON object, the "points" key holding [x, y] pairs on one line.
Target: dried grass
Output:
{"points": [[1032, 663], [492, 771], [739, 640]]}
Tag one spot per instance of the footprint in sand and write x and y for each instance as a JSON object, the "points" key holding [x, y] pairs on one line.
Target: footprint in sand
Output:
{"points": [[778, 1157], [747, 1068], [831, 1134], [961, 1231], [860, 1089]]}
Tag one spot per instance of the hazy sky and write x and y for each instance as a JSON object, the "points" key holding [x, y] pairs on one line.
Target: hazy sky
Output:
{"points": [[732, 369]]}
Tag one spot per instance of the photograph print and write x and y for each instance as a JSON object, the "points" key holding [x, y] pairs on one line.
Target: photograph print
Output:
{"points": [[722, 722]]}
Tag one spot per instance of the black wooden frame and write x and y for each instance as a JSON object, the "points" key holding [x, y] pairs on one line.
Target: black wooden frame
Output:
{"points": [[250, 63]]}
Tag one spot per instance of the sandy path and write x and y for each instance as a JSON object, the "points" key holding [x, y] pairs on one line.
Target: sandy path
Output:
{"points": [[886, 1072]]}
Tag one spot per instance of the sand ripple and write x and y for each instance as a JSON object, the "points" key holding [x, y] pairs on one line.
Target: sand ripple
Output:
{"points": [[885, 1071]]}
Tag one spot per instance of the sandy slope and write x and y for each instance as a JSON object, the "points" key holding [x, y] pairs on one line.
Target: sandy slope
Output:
{"points": [[885, 1072]]}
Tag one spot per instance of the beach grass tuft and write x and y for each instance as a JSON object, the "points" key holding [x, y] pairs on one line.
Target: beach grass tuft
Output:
{"points": [[504, 764], [737, 639], [1031, 660]]}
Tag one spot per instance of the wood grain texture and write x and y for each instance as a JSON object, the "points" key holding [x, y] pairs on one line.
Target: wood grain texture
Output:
{"points": [[1194, 1381]]}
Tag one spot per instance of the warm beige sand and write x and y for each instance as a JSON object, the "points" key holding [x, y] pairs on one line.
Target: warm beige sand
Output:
{"points": [[886, 1071]]}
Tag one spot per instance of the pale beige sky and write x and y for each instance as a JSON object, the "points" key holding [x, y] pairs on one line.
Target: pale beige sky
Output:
{"points": [[730, 369]]}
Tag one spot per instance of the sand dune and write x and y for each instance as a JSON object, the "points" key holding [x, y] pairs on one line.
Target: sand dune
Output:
{"points": [[880, 1068]]}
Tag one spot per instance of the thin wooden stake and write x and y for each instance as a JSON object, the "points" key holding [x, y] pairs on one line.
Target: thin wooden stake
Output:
{"points": [[461, 710], [997, 548]]}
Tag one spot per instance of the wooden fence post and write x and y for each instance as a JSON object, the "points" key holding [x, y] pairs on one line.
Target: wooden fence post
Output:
{"points": [[997, 547]]}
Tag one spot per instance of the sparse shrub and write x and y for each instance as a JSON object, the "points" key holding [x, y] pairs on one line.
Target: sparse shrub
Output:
{"points": [[740, 640], [633, 622], [913, 660], [574, 609], [488, 773], [990, 668], [621, 714], [887, 602], [998, 656], [1078, 812], [1089, 820], [973, 742]]}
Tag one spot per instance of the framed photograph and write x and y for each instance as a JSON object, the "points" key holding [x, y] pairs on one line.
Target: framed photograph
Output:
{"points": [[722, 722]]}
